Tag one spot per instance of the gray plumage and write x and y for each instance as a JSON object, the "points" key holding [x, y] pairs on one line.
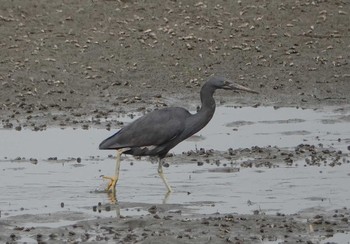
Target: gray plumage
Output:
{"points": [[155, 133]]}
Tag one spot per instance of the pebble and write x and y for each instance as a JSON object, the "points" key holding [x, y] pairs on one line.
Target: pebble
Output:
{"points": [[153, 209]]}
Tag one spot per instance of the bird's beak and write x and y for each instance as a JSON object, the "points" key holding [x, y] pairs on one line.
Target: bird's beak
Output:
{"points": [[236, 87]]}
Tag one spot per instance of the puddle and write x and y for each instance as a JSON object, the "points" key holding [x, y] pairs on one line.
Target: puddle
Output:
{"points": [[40, 186], [337, 238]]}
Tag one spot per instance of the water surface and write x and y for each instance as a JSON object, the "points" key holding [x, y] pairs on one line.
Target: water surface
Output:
{"points": [[41, 185]]}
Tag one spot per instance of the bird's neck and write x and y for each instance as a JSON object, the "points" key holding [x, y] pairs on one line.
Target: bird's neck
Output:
{"points": [[206, 112], [207, 100]]}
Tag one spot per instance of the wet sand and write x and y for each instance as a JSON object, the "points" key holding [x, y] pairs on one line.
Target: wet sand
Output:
{"points": [[95, 65]]}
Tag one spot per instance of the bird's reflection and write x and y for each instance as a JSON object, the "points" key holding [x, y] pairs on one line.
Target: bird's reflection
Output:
{"points": [[166, 197], [113, 199], [112, 196]]}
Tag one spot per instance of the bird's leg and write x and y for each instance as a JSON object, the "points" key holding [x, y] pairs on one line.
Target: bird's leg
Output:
{"points": [[161, 174], [112, 195], [114, 179]]}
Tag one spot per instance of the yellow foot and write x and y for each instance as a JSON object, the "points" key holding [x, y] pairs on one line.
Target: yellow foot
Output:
{"points": [[112, 183]]}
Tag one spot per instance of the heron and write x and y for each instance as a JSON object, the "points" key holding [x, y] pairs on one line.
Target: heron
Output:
{"points": [[157, 132]]}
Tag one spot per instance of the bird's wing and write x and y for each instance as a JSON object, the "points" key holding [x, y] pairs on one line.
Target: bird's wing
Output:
{"points": [[153, 129]]}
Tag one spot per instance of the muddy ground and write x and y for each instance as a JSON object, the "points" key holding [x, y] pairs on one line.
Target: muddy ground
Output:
{"points": [[61, 62], [71, 64]]}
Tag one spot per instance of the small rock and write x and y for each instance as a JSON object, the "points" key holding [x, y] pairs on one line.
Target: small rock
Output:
{"points": [[152, 209], [200, 163]]}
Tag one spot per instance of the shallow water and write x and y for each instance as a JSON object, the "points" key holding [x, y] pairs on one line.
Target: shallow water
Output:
{"points": [[338, 238], [42, 186]]}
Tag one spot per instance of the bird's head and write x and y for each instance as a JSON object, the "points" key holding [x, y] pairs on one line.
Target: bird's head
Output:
{"points": [[222, 83]]}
